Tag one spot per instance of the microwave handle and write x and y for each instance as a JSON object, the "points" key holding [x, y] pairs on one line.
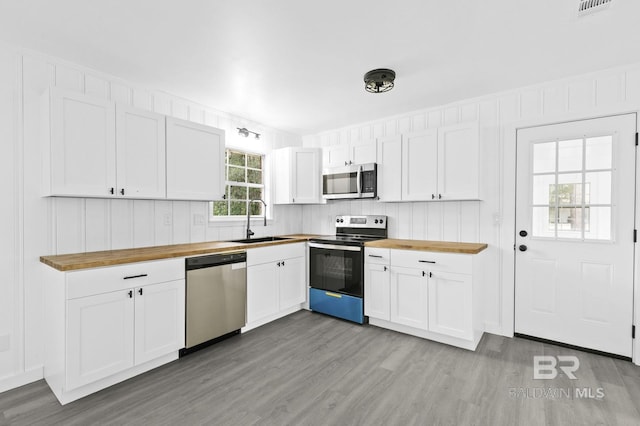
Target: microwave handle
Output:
{"points": [[359, 181]]}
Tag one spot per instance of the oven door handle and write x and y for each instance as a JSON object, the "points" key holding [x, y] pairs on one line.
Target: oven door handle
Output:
{"points": [[334, 247], [359, 183]]}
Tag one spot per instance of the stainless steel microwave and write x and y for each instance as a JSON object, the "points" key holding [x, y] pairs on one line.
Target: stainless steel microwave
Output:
{"points": [[354, 181]]}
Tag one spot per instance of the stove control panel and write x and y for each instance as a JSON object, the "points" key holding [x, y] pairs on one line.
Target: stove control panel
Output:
{"points": [[361, 222]]}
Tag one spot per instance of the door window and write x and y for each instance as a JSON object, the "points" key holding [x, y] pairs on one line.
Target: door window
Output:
{"points": [[572, 189]]}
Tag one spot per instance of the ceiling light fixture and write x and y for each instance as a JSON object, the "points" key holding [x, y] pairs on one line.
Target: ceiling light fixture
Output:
{"points": [[379, 80], [243, 131]]}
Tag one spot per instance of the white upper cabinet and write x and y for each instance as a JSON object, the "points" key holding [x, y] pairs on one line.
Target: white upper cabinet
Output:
{"points": [[458, 163], [80, 149], [389, 169], [361, 152], [195, 161], [297, 176], [140, 153], [419, 165]]}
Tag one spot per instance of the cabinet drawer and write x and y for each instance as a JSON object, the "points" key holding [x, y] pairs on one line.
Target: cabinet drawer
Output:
{"points": [[377, 256], [433, 261], [337, 305], [256, 256], [102, 280]]}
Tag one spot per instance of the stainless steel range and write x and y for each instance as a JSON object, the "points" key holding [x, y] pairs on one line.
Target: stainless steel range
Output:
{"points": [[336, 266]]}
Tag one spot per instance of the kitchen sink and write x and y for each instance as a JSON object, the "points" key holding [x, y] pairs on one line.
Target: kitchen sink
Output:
{"points": [[259, 240]]}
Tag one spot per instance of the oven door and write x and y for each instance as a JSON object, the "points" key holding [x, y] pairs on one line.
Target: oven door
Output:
{"points": [[336, 268]]}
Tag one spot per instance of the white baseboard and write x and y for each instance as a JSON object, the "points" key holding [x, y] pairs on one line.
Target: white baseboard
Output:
{"points": [[21, 379], [495, 328]]}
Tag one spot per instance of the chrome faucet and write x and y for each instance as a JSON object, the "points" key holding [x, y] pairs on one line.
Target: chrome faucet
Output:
{"points": [[249, 231]]}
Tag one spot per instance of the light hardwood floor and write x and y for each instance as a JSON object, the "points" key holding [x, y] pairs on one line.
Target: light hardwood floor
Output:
{"points": [[309, 369]]}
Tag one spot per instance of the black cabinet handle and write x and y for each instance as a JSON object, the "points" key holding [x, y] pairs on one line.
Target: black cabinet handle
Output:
{"points": [[130, 294], [424, 273], [278, 264], [112, 190], [433, 196], [430, 275], [385, 268], [375, 255], [439, 196], [130, 277], [426, 261], [140, 291], [283, 263], [122, 191]]}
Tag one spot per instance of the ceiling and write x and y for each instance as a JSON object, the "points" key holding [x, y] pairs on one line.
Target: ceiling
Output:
{"points": [[298, 65]]}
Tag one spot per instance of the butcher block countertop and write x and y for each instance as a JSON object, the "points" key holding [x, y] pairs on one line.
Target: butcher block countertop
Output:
{"points": [[96, 259], [438, 246]]}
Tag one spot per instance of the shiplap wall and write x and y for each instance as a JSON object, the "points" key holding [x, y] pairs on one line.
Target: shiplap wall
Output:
{"points": [[490, 220], [36, 226]]}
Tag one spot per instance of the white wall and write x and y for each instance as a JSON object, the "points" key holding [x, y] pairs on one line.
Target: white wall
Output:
{"points": [[490, 220], [32, 226]]}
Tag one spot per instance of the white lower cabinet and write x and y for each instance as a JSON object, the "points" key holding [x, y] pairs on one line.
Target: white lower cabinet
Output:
{"points": [[276, 282], [105, 325], [426, 294]]}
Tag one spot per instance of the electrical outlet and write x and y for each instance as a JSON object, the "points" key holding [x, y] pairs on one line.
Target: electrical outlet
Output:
{"points": [[198, 219], [168, 219]]}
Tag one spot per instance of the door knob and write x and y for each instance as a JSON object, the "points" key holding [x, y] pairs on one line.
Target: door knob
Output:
{"points": [[523, 233], [522, 247]]}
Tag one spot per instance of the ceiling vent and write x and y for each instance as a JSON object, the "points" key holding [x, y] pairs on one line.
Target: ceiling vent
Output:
{"points": [[586, 7]]}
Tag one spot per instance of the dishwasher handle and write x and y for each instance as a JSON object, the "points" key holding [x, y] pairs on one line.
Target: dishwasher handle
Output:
{"points": [[212, 260]]}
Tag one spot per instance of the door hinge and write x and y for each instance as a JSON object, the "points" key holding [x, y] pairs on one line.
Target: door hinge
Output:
{"points": [[635, 235], [633, 331]]}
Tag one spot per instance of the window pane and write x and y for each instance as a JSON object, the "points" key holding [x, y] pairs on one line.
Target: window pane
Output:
{"points": [[238, 208], [237, 158], [569, 189], [598, 185], [220, 208], [255, 193], [254, 176], [599, 223], [598, 152], [236, 174], [256, 208], [570, 155], [238, 192], [570, 222], [544, 157], [543, 189], [254, 161], [543, 222]]}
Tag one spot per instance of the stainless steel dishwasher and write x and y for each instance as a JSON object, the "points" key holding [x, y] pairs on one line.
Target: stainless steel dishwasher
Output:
{"points": [[216, 298]]}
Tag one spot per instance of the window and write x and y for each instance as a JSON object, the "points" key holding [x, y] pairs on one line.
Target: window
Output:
{"points": [[244, 174], [572, 188]]}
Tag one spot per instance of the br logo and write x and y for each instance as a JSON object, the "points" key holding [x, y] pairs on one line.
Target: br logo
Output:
{"points": [[546, 366]]}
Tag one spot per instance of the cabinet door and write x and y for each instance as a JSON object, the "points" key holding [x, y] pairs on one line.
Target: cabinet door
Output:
{"points": [[195, 161], [390, 169], [419, 166], [363, 152], [282, 166], [450, 310], [159, 320], [409, 297], [306, 176], [100, 337], [82, 150], [140, 143], [458, 162], [262, 291], [293, 286], [335, 156], [376, 291]]}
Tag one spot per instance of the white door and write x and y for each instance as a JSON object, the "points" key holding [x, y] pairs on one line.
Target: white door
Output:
{"points": [[458, 162], [100, 340], [195, 161], [420, 166], [293, 290], [140, 153], [159, 320], [409, 297], [389, 169], [83, 151], [575, 233]]}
